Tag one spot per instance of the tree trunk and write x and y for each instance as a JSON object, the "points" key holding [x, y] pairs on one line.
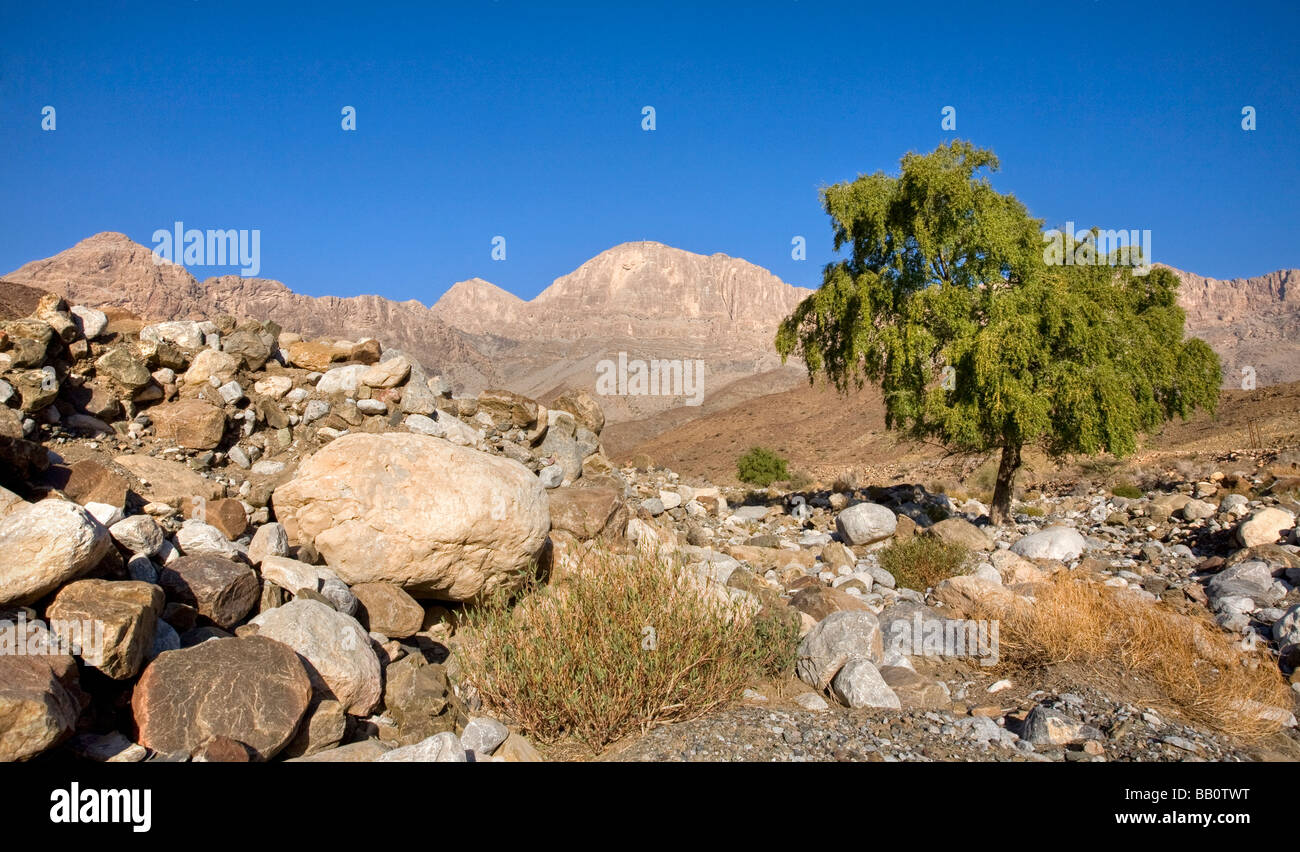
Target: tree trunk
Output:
{"points": [[1000, 512]]}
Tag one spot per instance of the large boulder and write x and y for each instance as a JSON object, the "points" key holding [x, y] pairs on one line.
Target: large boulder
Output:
{"points": [[866, 523], [44, 545], [342, 665], [1264, 526], [171, 482], [253, 690], [1062, 544], [439, 520]]}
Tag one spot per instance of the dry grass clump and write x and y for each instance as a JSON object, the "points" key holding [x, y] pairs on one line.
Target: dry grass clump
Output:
{"points": [[1147, 653], [625, 643], [922, 561]]}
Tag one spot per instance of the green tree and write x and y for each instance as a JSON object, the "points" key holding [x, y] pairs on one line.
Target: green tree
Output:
{"points": [[947, 303], [761, 467]]}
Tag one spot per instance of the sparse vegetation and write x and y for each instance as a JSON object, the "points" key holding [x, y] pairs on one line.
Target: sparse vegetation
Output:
{"points": [[761, 467], [1125, 489], [1145, 652], [922, 561], [1033, 511], [799, 480], [627, 643]]}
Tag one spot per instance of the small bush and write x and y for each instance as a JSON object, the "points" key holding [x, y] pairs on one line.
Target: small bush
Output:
{"points": [[761, 467], [626, 643], [1033, 511], [1126, 490], [922, 561]]}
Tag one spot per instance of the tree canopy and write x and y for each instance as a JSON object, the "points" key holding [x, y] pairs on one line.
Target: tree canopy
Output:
{"points": [[946, 301]]}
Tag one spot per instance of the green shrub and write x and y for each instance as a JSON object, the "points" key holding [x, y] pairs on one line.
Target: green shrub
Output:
{"points": [[761, 467], [1126, 490], [922, 561], [618, 646], [1033, 511]]}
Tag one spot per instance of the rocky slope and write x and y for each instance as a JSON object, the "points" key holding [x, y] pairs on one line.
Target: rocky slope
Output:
{"points": [[110, 270]]}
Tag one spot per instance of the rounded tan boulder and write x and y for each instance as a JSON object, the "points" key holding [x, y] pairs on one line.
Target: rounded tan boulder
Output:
{"points": [[439, 520]]}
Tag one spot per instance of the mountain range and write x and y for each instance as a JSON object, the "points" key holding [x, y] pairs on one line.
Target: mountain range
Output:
{"points": [[645, 300]]}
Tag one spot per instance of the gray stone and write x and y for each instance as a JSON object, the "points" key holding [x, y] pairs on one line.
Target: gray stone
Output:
{"points": [[835, 640], [859, 684], [439, 748]]}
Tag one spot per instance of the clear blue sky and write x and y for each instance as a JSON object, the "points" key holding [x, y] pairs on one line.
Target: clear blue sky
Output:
{"points": [[479, 119]]}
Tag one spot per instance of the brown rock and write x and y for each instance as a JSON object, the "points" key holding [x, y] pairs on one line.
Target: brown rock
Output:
{"points": [[218, 588], [915, 690], [588, 513], [127, 611], [387, 609], [820, 601], [322, 729], [121, 365], [253, 690], [227, 515], [961, 532], [508, 409], [89, 481], [40, 700], [366, 351], [583, 406], [310, 355], [222, 750], [168, 481], [191, 423]]}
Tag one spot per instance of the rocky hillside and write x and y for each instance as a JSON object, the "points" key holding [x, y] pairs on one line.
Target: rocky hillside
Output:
{"points": [[1250, 322], [110, 270]]}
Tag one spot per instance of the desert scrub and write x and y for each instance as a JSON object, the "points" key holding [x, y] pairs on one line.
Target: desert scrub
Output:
{"points": [[761, 467], [922, 561], [1144, 652], [627, 642]]}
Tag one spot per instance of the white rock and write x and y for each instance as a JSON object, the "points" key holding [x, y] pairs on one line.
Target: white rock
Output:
{"points": [[439, 748], [183, 333], [196, 537], [1060, 543], [866, 523], [138, 534], [45, 545], [344, 380], [89, 321], [273, 386], [104, 513], [1264, 526]]}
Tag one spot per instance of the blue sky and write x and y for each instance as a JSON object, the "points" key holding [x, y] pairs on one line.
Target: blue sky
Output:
{"points": [[481, 119]]}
